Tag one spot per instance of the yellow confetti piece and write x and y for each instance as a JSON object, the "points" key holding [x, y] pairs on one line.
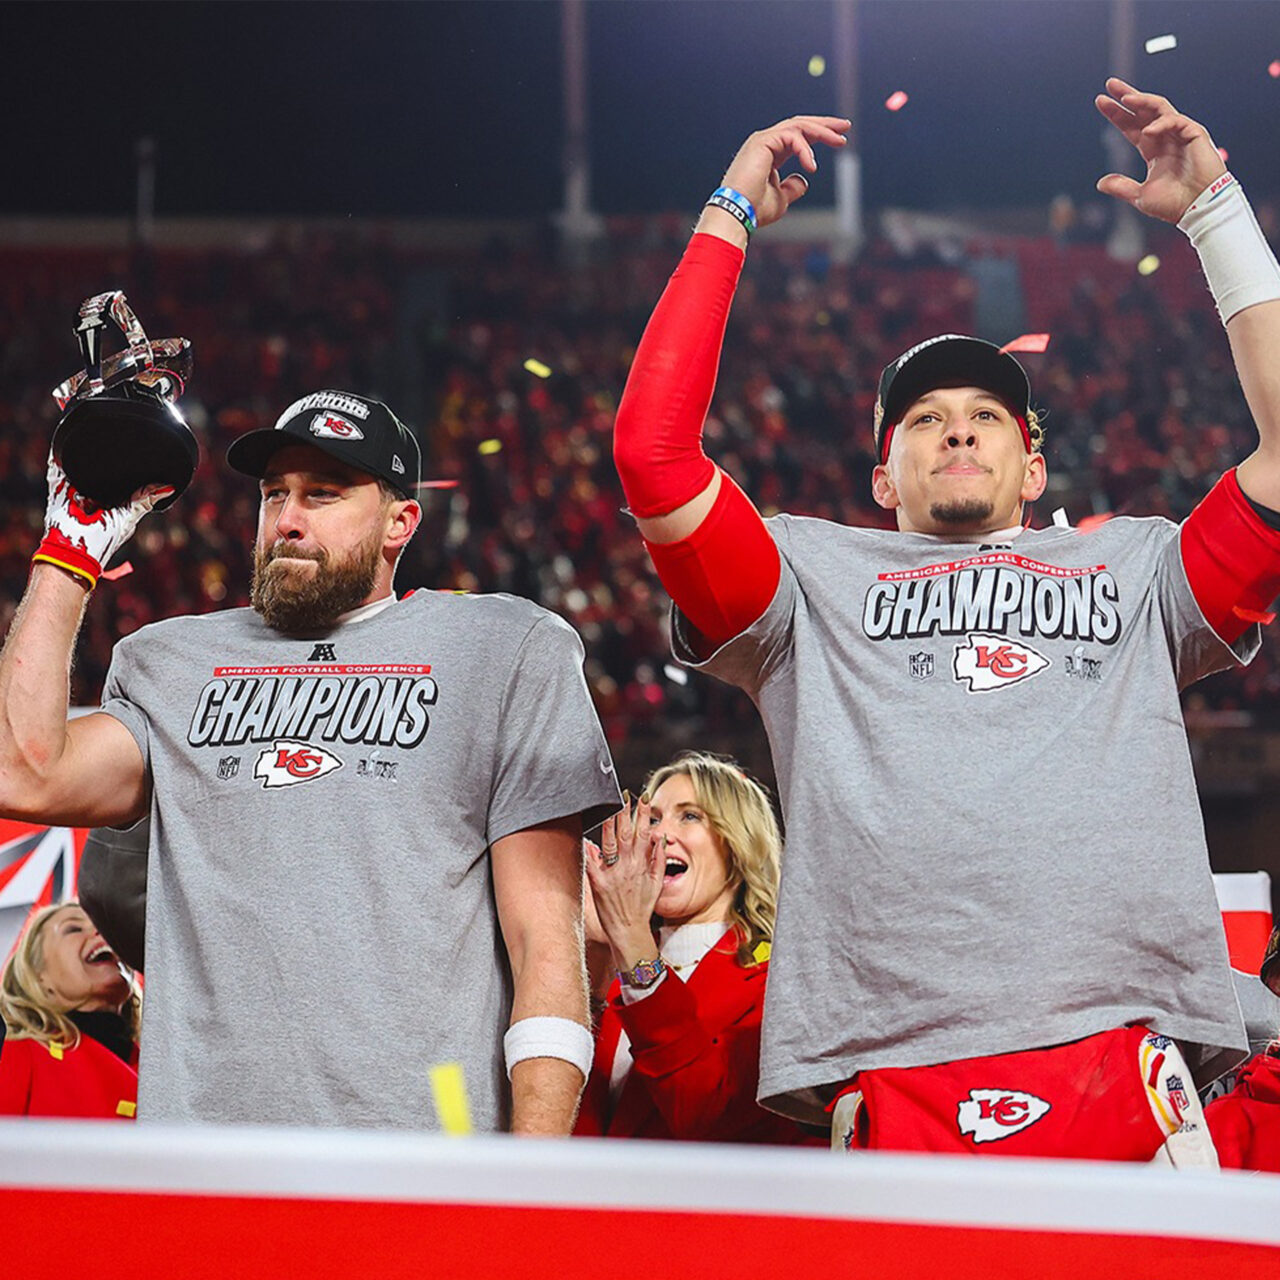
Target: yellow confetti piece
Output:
{"points": [[486, 447], [449, 1090], [55, 1052], [127, 1109], [762, 952], [1148, 265], [817, 65], [537, 368]]}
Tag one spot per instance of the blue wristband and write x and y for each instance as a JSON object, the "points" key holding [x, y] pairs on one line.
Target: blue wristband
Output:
{"points": [[737, 204]]}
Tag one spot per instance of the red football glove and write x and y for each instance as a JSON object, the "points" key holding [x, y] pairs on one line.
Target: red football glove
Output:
{"points": [[81, 541]]}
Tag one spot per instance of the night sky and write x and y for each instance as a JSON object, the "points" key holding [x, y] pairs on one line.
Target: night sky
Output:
{"points": [[447, 108]]}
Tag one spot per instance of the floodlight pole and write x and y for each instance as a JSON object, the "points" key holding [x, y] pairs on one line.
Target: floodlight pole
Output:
{"points": [[145, 210], [849, 228], [579, 225], [1127, 241]]}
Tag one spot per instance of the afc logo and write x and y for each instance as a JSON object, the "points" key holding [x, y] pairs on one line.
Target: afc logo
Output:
{"points": [[993, 662], [991, 1114], [285, 764], [323, 653]]}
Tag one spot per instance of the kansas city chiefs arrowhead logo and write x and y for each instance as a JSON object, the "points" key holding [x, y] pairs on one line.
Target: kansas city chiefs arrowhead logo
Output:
{"points": [[992, 1114], [334, 426], [283, 764], [992, 662]]}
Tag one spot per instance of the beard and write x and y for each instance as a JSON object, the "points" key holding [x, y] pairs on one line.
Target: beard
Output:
{"points": [[960, 511], [289, 601]]}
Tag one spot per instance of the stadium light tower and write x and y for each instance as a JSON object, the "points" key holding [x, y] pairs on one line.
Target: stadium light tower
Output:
{"points": [[579, 224], [849, 230], [1128, 238]]}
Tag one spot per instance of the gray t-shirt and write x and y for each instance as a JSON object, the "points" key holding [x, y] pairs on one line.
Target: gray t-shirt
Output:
{"points": [[993, 836], [321, 927]]}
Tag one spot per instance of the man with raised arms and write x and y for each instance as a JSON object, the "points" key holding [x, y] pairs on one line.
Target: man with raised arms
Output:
{"points": [[997, 930]]}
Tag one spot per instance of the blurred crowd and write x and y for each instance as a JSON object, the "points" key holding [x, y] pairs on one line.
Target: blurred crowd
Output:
{"points": [[510, 366]]}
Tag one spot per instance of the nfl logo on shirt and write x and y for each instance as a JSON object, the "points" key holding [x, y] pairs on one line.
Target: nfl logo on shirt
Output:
{"points": [[921, 666]]}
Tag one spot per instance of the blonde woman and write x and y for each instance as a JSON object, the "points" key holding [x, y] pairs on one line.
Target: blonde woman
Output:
{"points": [[680, 911], [71, 1016]]}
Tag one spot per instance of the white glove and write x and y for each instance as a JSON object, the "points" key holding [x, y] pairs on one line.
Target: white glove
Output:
{"points": [[80, 541]]}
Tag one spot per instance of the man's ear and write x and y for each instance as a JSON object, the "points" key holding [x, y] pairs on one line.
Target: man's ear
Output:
{"points": [[883, 490], [1034, 478], [405, 518]]}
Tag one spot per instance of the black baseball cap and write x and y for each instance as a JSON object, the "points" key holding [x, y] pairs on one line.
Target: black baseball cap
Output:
{"points": [[1270, 970], [950, 358], [363, 433]]}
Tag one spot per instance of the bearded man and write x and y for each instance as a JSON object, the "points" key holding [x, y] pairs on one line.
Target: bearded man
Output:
{"points": [[366, 812]]}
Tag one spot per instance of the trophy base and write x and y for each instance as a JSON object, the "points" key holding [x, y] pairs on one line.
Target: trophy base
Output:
{"points": [[112, 445]]}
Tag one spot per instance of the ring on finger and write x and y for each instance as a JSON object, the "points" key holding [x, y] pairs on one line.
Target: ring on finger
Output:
{"points": [[607, 860]]}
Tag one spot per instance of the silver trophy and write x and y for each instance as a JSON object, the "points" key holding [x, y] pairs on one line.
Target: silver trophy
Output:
{"points": [[120, 429]]}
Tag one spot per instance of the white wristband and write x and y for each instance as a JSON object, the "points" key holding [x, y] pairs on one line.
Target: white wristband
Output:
{"points": [[1237, 260], [549, 1038]]}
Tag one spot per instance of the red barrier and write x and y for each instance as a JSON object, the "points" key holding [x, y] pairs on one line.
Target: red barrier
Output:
{"points": [[341, 1206]]}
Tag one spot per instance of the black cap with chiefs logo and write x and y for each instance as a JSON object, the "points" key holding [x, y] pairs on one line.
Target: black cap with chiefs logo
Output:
{"points": [[363, 433], [949, 359]]}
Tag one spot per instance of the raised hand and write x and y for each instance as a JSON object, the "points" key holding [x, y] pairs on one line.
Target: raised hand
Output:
{"points": [[754, 170], [1181, 157], [625, 876], [592, 929], [82, 539]]}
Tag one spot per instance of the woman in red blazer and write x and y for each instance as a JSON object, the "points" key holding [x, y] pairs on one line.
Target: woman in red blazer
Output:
{"points": [[71, 1016], [1245, 1123], [680, 909]]}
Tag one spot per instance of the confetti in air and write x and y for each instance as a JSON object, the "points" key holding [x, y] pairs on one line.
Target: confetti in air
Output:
{"points": [[677, 675], [1159, 44], [817, 64], [1149, 265], [122, 570], [449, 1090], [1028, 342], [1222, 151], [1274, 70], [486, 447], [896, 100], [537, 368], [437, 484]]}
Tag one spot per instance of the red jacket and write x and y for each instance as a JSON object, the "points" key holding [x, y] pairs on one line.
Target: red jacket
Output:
{"points": [[696, 1059], [1245, 1124], [85, 1082]]}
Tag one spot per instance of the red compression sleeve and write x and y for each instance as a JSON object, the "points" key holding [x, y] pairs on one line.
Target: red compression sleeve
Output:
{"points": [[657, 443], [723, 575], [1232, 559]]}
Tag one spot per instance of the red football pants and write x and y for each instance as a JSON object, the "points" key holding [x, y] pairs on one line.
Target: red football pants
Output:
{"points": [[1118, 1095]]}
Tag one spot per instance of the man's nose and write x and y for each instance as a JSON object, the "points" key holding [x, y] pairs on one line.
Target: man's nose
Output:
{"points": [[291, 522], [961, 435]]}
